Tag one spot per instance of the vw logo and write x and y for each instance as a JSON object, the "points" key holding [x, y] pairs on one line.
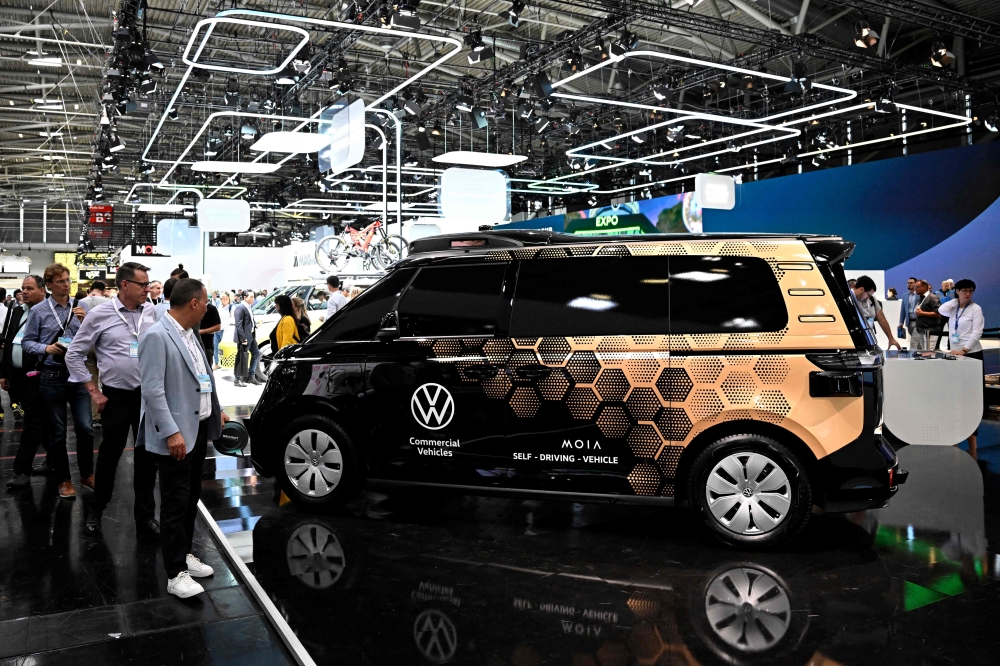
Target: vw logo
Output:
{"points": [[432, 406], [435, 634], [747, 492]]}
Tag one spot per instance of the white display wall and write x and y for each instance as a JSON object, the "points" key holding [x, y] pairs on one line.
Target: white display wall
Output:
{"points": [[224, 268]]}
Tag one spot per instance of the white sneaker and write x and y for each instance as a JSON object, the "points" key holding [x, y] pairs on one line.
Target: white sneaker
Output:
{"points": [[182, 586], [197, 568]]}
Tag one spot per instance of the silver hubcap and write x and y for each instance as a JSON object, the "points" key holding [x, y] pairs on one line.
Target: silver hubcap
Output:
{"points": [[748, 609], [313, 463], [315, 556], [748, 493]]}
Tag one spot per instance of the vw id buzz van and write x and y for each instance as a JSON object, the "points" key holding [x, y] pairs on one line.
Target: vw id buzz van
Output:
{"points": [[731, 373]]}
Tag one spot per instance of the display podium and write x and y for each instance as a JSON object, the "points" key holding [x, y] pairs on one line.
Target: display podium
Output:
{"points": [[932, 398]]}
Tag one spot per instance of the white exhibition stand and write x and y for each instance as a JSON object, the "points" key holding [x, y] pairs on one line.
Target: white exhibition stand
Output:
{"points": [[917, 388]]}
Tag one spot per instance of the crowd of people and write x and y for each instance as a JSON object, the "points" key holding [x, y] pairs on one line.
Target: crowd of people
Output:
{"points": [[130, 356], [929, 319]]}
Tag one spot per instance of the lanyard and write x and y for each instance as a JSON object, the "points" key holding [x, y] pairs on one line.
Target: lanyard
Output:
{"points": [[56, 317], [959, 316], [138, 325]]}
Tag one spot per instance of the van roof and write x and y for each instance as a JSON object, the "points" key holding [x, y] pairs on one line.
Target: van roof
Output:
{"points": [[513, 238]]}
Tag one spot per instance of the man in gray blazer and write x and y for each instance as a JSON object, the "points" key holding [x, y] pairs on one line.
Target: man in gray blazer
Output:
{"points": [[181, 414], [245, 340]]}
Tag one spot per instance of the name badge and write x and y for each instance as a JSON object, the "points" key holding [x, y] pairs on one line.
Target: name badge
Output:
{"points": [[205, 383], [64, 341], [955, 338], [133, 350]]}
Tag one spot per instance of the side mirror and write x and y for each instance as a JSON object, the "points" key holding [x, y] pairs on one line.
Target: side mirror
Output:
{"points": [[233, 441], [389, 329]]}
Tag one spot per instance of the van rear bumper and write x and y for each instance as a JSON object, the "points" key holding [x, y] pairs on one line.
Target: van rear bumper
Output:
{"points": [[865, 474]]}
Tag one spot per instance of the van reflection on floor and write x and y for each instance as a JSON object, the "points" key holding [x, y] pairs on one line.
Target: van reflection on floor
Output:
{"points": [[358, 600]]}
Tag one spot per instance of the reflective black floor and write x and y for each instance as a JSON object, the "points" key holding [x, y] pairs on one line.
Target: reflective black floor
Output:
{"points": [[421, 579], [70, 599]]}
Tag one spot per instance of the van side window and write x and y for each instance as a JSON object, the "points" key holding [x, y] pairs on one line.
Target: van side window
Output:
{"points": [[713, 294], [584, 296], [453, 301], [360, 319]]}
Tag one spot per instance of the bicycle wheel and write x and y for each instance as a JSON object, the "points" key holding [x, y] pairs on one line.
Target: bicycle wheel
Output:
{"points": [[332, 253], [390, 250]]}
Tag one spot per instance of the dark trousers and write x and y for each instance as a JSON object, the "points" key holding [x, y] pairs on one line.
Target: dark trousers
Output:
{"points": [[33, 433], [240, 369], [57, 390], [180, 490], [121, 414]]}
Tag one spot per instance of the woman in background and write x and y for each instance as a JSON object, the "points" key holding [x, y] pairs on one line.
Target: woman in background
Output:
{"points": [[287, 331], [301, 318], [965, 328]]}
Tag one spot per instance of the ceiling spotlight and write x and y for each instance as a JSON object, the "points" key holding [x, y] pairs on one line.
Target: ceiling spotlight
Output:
{"points": [[524, 111], [625, 43], [145, 168], [662, 92], [172, 113], [147, 84], [232, 97], [480, 52], [421, 126], [639, 138], [993, 122], [646, 194], [248, 133], [479, 117], [540, 124], [405, 17], [513, 15], [541, 85], [152, 60], [592, 200], [885, 104], [464, 103], [412, 107], [116, 143], [865, 37], [302, 62], [572, 128], [436, 130], [800, 81], [575, 164], [941, 56]]}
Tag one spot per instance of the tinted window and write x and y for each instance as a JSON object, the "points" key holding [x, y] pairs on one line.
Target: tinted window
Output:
{"points": [[453, 300], [591, 296], [724, 295], [361, 317]]}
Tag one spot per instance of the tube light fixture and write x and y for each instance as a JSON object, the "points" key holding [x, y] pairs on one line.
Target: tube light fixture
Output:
{"points": [[291, 142], [472, 158], [161, 208], [235, 167]]}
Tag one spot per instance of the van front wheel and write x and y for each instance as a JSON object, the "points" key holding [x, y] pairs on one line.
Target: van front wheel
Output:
{"points": [[750, 490]]}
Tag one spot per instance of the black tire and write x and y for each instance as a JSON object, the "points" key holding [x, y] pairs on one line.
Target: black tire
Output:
{"points": [[308, 487], [797, 492]]}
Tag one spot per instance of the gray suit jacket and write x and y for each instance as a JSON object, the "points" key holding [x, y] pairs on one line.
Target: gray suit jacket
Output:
{"points": [[171, 395], [243, 323]]}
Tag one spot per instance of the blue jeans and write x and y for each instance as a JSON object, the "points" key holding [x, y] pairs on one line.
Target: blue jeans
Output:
{"points": [[56, 391], [218, 339]]}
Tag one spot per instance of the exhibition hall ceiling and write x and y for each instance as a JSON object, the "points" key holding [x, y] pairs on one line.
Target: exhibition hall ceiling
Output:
{"points": [[603, 100]]}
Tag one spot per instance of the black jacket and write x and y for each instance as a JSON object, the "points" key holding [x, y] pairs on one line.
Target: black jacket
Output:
{"points": [[7, 370]]}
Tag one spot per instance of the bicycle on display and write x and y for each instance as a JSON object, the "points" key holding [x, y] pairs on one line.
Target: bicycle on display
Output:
{"points": [[373, 245]]}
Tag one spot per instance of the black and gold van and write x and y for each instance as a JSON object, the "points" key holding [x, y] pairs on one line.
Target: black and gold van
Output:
{"points": [[730, 372]]}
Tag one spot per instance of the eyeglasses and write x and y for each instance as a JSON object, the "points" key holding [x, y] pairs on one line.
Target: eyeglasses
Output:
{"points": [[141, 285]]}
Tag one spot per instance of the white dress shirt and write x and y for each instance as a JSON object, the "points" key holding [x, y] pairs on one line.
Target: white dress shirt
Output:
{"points": [[198, 357]]}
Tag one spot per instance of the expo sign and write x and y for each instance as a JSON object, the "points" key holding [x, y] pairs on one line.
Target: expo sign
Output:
{"points": [[607, 221]]}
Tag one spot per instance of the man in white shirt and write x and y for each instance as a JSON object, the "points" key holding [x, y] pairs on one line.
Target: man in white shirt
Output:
{"points": [[337, 299]]}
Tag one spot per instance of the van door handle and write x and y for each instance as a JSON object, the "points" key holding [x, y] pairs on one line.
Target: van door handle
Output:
{"points": [[481, 371], [533, 372]]}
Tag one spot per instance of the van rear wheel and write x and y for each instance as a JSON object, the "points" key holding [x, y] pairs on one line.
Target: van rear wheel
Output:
{"points": [[750, 490], [318, 463]]}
